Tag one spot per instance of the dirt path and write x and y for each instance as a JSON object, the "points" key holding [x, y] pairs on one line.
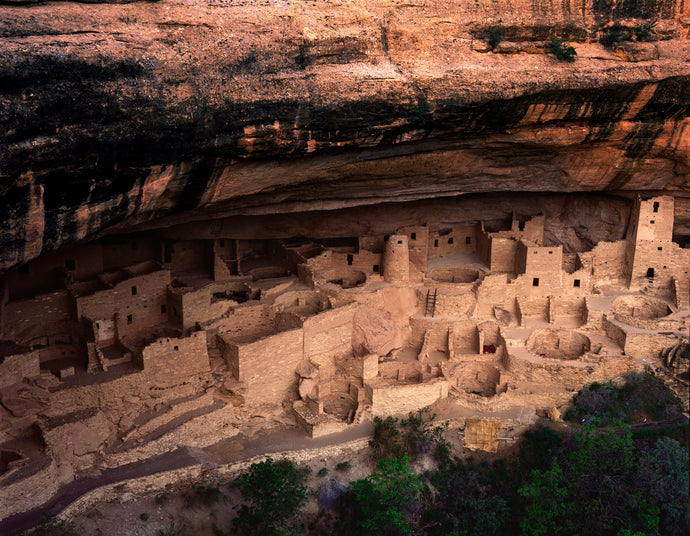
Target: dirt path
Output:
{"points": [[177, 459]]}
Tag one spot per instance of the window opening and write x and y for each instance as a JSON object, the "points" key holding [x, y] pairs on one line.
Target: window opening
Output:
{"points": [[576, 283], [413, 236], [535, 282], [435, 243], [650, 272], [450, 240], [134, 290], [130, 319], [350, 258], [468, 240], [376, 268], [656, 206], [164, 309]]}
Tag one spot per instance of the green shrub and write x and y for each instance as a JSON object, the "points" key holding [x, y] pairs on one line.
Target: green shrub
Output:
{"points": [[494, 35], [273, 493], [200, 494], [412, 436], [605, 404], [645, 31], [421, 113], [343, 466], [562, 50], [382, 502], [323, 471]]}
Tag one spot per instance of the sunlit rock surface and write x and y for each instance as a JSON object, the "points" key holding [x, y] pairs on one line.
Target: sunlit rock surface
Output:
{"points": [[115, 117]]}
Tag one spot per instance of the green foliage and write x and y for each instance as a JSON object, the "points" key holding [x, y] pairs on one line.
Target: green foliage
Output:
{"points": [[605, 404], [494, 35], [562, 50], [645, 31], [538, 448], [421, 113], [601, 484], [273, 492], [412, 436], [664, 476], [144, 516], [466, 501], [323, 471], [380, 503], [343, 466]]}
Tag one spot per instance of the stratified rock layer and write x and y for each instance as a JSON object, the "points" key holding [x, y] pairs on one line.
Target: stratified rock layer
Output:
{"points": [[142, 115]]}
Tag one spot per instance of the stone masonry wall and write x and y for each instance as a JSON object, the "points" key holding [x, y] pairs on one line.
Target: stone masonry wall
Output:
{"points": [[171, 361], [328, 335], [45, 314], [267, 367]]}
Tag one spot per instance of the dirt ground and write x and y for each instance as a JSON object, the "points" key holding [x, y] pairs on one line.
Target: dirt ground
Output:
{"points": [[180, 511]]}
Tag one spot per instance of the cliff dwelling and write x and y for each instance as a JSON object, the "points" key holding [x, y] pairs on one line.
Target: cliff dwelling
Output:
{"points": [[136, 341], [221, 218]]}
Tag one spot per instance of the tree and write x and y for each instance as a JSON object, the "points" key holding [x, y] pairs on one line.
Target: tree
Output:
{"points": [[380, 503], [273, 492]]}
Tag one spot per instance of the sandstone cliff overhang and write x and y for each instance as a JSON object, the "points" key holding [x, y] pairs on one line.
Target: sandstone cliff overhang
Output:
{"points": [[129, 116]]}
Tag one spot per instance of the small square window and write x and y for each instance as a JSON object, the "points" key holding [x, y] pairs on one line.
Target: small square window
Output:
{"points": [[413, 236], [651, 221], [376, 268], [550, 252], [576, 283], [177, 348], [70, 264], [468, 240], [450, 240], [535, 282], [399, 241], [130, 319], [164, 309], [660, 248], [134, 290]]}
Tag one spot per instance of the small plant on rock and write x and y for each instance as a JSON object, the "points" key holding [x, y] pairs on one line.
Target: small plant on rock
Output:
{"points": [[562, 50], [645, 31], [494, 36]]}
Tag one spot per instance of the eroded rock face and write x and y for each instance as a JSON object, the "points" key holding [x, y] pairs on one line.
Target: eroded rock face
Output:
{"points": [[146, 114], [374, 332]]}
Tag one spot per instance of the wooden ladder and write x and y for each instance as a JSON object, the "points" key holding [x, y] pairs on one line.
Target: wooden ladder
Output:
{"points": [[430, 304]]}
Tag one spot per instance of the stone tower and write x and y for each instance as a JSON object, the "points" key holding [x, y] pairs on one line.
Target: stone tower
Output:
{"points": [[650, 240], [396, 259]]}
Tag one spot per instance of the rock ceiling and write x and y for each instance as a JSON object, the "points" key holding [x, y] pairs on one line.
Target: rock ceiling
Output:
{"points": [[120, 117]]}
